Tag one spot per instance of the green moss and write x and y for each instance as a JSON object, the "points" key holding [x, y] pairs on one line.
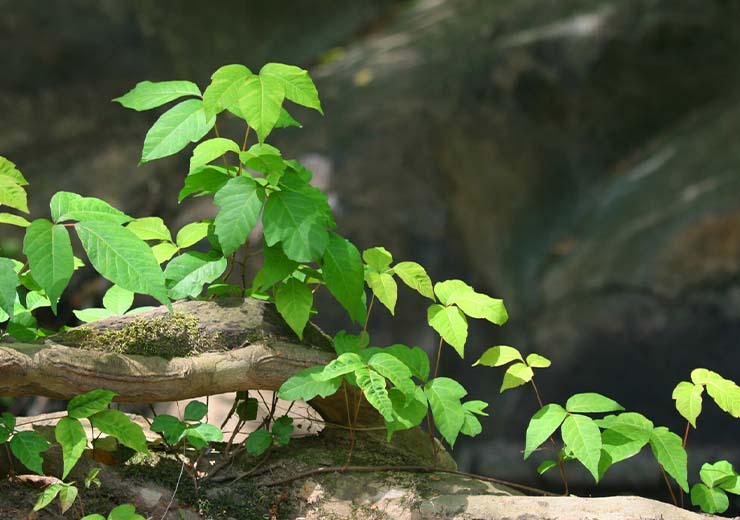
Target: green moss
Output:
{"points": [[175, 335]]}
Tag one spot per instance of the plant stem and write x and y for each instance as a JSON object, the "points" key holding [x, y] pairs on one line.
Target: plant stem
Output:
{"points": [[439, 356], [244, 147], [215, 130], [667, 483], [686, 435], [430, 422], [561, 463]]}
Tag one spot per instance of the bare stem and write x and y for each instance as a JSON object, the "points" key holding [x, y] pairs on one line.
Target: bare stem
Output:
{"points": [[668, 484]]}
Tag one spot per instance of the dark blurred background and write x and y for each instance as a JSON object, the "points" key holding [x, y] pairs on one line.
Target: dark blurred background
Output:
{"points": [[578, 158]]}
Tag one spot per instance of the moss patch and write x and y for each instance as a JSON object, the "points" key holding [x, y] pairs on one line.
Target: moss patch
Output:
{"points": [[176, 335]]}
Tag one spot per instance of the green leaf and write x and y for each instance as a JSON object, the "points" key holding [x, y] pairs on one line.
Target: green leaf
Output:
{"points": [[147, 95], [188, 273], [118, 300], [164, 251], [184, 123], [195, 411], [47, 496], [590, 402], [191, 234], [297, 84], [123, 258], [373, 386], [286, 120], [247, 409], [407, 412], [8, 284], [444, 396], [49, 252], [71, 206], [22, 326], [150, 228], [89, 403], [384, 287], [209, 432], [13, 220], [8, 169], [282, 429], [258, 442], [377, 258], [481, 306], [394, 370], [275, 268], [546, 465], [93, 516], [668, 450], [70, 435], [210, 150], [67, 496], [124, 512], [726, 393], [517, 374], [537, 361], [343, 364], [118, 425], [305, 386], [223, 92], [294, 300], [449, 288], [710, 500], [414, 275], [583, 436], [263, 158], [624, 436], [476, 407], [27, 447], [298, 217], [12, 194], [92, 314], [451, 324], [542, 425], [717, 474], [260, 101], [471, 426], [240, 201], [205, 180], [414, 358], [343, 275], [171, 428], [688, 400], [499, 356]]}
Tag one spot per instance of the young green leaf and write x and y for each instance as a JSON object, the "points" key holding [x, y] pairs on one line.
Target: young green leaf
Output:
{"points": [[394, 370], [581, 435], [414, 358], [123, 258], [67, 496], [343, 274], [471, 425], [297, 84], [688, 400], [343, 364], [537, 361], [211, 149], [13, 220], [171, 428], [49, 252], [8, 169], [590, 402], [8, 284], [209, 432], [124, 512], [373, 386], [260, 100], [517, 374], [305, 386], [258, 442], [195, 411], [282, 429], [542, 425], [286, 120], [378, 259], [499, 356], [191, 234], [263, 158], [205, 180], [150, 228], [92, 314], [481, 306], [89, 403], [47, 496], [164, 251], [27, 447], [384, 287], [71, 206], [448, 289], [118, 425], [275, 268], [294, 300], [668, 450], [407, 412], [223, 92], [624, 435], [710, 500], [476, 407], [12, 193], [726, 393], [147, 95], [718, 474], [70, 435], [444, 396], [546, 466], [451, 324], [184, 123], [240, 201], [23, 326], [118, 300], [188, 273], [414, 275]]}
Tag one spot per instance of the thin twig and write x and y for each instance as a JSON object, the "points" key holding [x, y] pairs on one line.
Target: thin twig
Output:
{"points": [[667, 483], [174, 492]]}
